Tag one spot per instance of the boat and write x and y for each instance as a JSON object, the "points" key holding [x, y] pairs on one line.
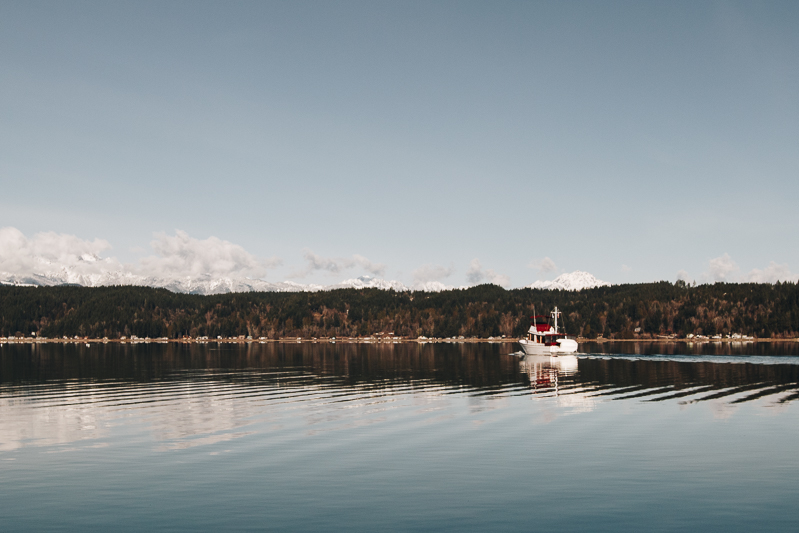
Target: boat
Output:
{"points": [[544, 338]]}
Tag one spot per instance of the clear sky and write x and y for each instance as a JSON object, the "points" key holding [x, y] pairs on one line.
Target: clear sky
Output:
{"points": [[633, 140]]}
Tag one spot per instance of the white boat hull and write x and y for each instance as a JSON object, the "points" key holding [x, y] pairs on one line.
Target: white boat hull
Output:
{"points": [[564, 346]]}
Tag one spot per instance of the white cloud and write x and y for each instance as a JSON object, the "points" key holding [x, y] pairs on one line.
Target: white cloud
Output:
{"points": [[625, 268], [315, 263], [69, 258], [682, 275], [475, 272], [544, 266], [181, 256], [426, 273], [476, 275], [773, 273], [378, 269], [50, 251], [723, 268]]}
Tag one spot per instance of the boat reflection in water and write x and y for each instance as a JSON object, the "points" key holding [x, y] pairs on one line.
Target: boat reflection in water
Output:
{"points": [[544, 370], [556, 377]]}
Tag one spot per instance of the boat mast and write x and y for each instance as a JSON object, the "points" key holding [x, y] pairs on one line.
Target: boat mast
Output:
{"points": [[555, 314]]}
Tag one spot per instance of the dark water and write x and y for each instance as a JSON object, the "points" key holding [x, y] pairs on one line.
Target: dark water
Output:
{"points": [[446, 437], [739, 348]]}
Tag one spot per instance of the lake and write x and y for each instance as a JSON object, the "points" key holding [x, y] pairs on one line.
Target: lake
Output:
{"points": [[406, 437]]}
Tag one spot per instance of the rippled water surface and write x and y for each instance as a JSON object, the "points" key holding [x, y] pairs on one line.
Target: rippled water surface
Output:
{"points": [[321, 437]]}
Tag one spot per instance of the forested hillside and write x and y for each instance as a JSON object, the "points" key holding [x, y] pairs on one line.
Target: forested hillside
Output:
{"points": [[761, 310]]}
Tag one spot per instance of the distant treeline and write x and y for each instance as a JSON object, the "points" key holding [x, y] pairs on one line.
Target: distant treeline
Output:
{"points": [[620, 311]]}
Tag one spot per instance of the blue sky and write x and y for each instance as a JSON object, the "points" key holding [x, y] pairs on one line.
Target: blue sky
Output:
{"points": [[632, 140]]}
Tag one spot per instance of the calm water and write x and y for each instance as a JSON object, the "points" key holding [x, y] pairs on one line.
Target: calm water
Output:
{"points": [[402, 437]]}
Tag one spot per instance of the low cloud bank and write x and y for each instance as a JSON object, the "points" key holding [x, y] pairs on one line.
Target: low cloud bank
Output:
{"points": [[724, 269], [429, 277], [476, 274], [336, 265], [19, 254], [50, 254], [544, 266], [179, 262], [53, 258], [183, 263], [181, 255]]}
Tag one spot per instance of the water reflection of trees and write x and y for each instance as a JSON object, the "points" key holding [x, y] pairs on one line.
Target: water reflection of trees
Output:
{"points": [[690, 381], [744, 348], [482, 367], [449, 364]]}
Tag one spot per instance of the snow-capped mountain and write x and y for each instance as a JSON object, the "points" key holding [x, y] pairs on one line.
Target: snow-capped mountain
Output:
{"points": [[432, 286], [189, 285], [575, 281], [180, 264], [207, 284], [368, 282], [195, 285]]}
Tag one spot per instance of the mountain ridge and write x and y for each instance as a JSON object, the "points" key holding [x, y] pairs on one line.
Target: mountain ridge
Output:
{"points": [[573, 281], [97, 276]]}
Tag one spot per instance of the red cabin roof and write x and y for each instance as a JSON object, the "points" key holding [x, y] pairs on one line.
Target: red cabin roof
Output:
{"points": [[541, 322]]}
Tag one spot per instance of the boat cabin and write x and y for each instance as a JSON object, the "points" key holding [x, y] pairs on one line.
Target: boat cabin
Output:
{"points": [[542, 332]]}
